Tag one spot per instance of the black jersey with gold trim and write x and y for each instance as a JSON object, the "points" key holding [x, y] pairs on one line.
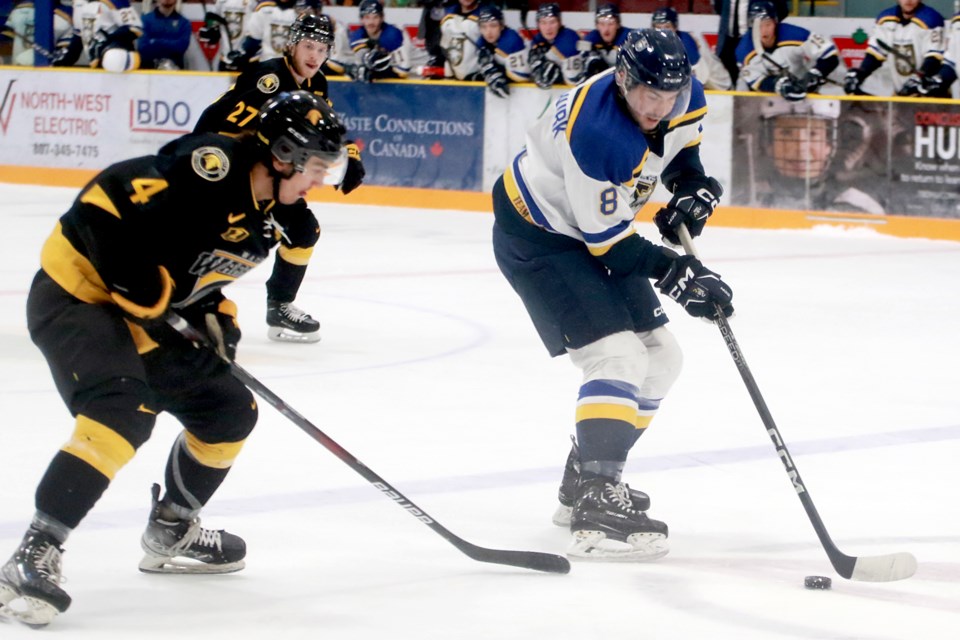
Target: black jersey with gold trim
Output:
{"points": [[163, 230], [236, 111]]}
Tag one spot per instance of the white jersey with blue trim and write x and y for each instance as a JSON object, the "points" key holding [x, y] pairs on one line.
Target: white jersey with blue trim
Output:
{"points": [[587, 167], [904, 45], [270, 24], [796, 51], [952, 56], [458, 36]]}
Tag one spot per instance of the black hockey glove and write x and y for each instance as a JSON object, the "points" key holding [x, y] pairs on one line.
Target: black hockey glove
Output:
{"points": [[218, 319], [353, 178], [493, 73], [376, 60], [912, 87], [934, 86], [209, 35], [695, 287], [689, 208], [236, 60], [790, 89], [593, 63], [813, 80], [546, 74], [852, 82]]}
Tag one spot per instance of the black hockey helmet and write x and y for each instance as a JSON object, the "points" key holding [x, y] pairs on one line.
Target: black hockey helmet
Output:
{"points": [[296, 125], [490, 13], [761, 9], [371, 6], [665, 15], [308, 26], [548, 10], [608, 11], [653, 58]]}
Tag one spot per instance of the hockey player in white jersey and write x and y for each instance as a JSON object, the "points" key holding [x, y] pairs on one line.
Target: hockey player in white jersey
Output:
{"points": [[459, 32], [565, 240], [20, 27], [939, 84], [502, 53], [555, 56], [707, 67], [109, 30], [268, 29], [907, 43], [224, 25], [776, 57]]}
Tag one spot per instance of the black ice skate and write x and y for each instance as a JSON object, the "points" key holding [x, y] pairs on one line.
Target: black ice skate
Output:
{"points": [[288, 323], [30, 581], [567, 494], [606, 526], [172, 545]]}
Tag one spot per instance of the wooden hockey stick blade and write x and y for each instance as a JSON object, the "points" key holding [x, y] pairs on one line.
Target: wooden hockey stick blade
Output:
{"points": [[535, 560]]}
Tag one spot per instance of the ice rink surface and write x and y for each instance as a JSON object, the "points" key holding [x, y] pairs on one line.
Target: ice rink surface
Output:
{"points": [[430, 372]]}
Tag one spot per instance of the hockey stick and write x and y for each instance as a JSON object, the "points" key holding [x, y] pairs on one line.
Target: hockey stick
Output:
{"points": [[535, 560], [886, 568]]}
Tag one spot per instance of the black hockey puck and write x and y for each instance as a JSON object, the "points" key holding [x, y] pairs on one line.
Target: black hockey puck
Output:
{"points": [[817, 582]]}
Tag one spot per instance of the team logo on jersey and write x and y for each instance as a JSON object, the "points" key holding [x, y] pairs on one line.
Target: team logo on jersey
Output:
{"points": [[210, 163], [235, 234], [904, 55], [642, 191], [268, 83]]}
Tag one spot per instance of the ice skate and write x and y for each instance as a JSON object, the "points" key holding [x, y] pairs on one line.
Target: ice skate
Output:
{"points": [[172, 545], [606, 526], [30, 581], [289, 323], [567, 494]]}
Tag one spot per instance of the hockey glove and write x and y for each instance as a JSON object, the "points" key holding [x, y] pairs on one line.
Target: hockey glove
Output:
{"points": [[790, 89], [546, 74], [376, 60], [218, 319], [912, 87], [851, 83], [353, 178], [236, 60], [493, 73], [691, 209], [813, 80], [695, 287], [209, 35], [934, 86], [593, 63]]}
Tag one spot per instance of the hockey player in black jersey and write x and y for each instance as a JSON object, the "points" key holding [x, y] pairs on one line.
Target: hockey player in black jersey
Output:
{"points": [[148, 237], [235, 113]]}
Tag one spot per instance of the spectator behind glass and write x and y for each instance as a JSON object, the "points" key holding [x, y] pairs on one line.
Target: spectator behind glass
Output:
{"points": [[166, 36]]}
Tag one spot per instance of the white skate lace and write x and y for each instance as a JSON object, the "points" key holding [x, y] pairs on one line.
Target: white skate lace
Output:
{"points": [[47, 560], [620, 494], [199, 536], [293, 312]]}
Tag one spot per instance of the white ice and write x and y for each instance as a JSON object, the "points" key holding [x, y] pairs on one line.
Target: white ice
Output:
{"points": [[430, 372]]}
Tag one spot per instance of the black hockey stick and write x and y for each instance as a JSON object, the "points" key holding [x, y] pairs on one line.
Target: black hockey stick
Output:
{"points": [[886, 568], [525, 559]]}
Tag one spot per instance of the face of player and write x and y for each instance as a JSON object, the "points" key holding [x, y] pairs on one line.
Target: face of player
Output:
{"points": [[663, 26], [373, 23], [468, 5], [608, 28], [649, 106], [491, 31], [549, 27], [768, 32], [316, 172], [908, 7], [309, 56], [801, 146]]}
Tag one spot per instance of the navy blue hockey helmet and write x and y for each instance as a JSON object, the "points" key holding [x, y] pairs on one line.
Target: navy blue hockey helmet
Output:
{"points": [[663, 16], [653, 58], [761, 9], [296, 125], [548, 10], [608, 11], [308, 26], [490, 13], [368, 7]]}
